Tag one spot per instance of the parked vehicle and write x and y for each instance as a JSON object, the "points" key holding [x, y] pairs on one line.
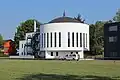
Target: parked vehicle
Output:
{"points": [[70, 57]]}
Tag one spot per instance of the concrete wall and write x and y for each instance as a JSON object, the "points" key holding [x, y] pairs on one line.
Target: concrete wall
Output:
{"points": [[64, 28], [21, 47], [23, 50]]}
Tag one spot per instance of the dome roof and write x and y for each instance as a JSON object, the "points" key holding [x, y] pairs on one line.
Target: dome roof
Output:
{"points": [[64, 19]]}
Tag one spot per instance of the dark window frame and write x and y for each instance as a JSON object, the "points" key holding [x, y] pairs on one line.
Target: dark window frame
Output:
{"points": [[22, 45], [56, 53], [72, 39], [68, 39], [77, 39], [51, 53], [44, 40], [83, 39], [59, 39], [47, 39], [51, 39], [80, 39], [55, 39]]}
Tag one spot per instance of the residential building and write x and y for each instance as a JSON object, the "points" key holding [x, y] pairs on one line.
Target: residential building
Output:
{"points": [[111, 40]]}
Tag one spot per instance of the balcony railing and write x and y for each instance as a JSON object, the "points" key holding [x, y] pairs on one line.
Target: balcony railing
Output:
{"points": [[29, 37], [28, 44]]}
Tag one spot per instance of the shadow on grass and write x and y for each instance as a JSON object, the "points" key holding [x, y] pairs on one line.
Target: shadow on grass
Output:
{"points": [[63, 77]]}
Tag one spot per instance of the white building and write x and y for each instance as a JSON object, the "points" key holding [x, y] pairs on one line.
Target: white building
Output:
{"points": [[64, 37], [61, 38], [25, 46]]}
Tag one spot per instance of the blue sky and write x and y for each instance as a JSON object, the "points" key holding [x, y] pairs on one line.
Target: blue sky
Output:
{"points": [[13, 12]]}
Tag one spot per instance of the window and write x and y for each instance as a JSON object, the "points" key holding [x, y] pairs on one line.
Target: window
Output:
{"points": [[76, 52], [86, 39], [59, 39], [83, 39], [51, 38], [55, 39], [51, 53], [38, 37], [47, 39], [22, 45], [73, 39], [44, 40], [56, 53], [38, 45], [68, 39], [80, 39], [113, 54], [22, 53], [113, 39], [29, 36], [112, 28], [76, 39]]}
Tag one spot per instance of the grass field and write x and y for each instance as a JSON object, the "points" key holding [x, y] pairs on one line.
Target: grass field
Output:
{"points": [[58, 70]]}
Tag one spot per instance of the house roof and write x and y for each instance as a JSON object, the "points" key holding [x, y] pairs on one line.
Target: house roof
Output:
{"points": [[64, 19], [7, 40]]}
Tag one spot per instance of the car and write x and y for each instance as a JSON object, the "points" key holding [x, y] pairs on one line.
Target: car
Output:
{"points": [[70, 57]]}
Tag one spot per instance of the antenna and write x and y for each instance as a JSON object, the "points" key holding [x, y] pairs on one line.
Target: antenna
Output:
{"points": [[34, 26], [64, 13]]}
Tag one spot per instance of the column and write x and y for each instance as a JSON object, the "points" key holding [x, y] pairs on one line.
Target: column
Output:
{"points": [[57, 39], [85, 39], [81, 54]]}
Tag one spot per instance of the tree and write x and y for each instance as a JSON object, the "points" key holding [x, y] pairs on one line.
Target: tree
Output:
{"points": [[117, 16], [79, 18], [23, 28], [1, 40], [96, 37]]}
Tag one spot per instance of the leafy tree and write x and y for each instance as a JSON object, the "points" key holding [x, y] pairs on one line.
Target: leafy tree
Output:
{"points": [[117, 16], [96, 37], [1, 42], [23, 28], [1, 39], [79, 18]]}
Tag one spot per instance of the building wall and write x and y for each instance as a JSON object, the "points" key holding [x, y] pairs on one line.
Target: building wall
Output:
{"points": [[23, 50], [111, 40], [9, 47], [29, 34], [21, 47], [60, 55], [63, 28]]}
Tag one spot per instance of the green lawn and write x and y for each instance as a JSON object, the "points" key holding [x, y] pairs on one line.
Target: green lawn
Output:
{"points": [[58, 70]]}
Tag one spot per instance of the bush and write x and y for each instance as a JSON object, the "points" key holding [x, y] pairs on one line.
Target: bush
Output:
{"points": [[3, 55]]}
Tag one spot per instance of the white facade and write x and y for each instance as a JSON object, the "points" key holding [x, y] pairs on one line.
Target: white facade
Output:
{"points": [[23, 49], [54, 41]]}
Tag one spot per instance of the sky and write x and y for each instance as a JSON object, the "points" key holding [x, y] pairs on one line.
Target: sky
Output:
{"points": [[13, 12]]}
